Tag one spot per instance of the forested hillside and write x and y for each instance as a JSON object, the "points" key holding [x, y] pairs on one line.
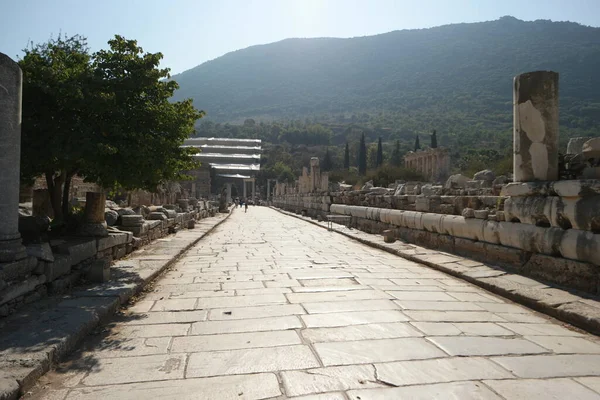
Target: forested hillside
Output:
{"points": [[304, 95], [453, 78]]}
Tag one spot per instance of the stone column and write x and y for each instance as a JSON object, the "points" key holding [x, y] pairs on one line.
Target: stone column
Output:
{"points": [[244, 183], [535, 126], [194, 194], [268, 189], [94, 223], [11, 247], [228, 192], [253, 189]]}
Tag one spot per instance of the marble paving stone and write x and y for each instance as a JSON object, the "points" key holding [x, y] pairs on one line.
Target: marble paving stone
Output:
{"points": [[361, 332], [592, 382], [485, 346], [110, 371], [439, 370], [352, 318], [546, 329], [232, 341], [247, 361], [566, 344], [438, 305], [337, 296], [256, 312], [421, 296], [452, 316], [546, 389], [168, 317], [251, 387], [322, 396], [146, 331], [548, 366], [343, 306], [174, 305], [329, 379], [203, 293], [441, 391], [370, 351], [329, 282], [240, 301]]}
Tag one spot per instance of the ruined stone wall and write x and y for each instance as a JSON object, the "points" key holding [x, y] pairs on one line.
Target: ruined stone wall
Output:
{"points": [[545, 230]]}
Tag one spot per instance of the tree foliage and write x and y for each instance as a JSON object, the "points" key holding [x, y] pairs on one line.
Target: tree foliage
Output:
{"points": [[434, 140], [347, 157], [379, 161], [105, 116], [327, 161], [417, 143]]}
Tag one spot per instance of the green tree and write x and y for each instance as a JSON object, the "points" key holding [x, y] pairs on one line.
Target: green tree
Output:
{"points": [[417, 143], [347, 157], [362, 156], [434, 140], [327, 161], [57, 133], [396, 155], [105, 116], [379, 161]]}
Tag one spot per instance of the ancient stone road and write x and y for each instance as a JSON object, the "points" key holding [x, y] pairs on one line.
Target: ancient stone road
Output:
{"points": [[269, 306]]}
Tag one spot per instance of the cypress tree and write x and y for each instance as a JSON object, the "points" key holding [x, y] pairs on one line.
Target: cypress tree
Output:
{"points": [[417, 144], [379, 160], [434, 140], [396, 159], [327, 162], [362, 156]]}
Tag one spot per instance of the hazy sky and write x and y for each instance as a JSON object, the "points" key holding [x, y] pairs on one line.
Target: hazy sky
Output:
{"points": [[189, 32]]}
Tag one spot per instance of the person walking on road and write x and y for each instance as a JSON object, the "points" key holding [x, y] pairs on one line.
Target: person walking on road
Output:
{"points": [[245, 206]]}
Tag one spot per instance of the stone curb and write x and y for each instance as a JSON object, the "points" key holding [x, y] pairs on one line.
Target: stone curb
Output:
{"points": [[574, 310], [17, 377]]}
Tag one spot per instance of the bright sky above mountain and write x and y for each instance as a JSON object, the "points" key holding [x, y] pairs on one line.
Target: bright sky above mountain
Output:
{"points": [[189, 32]]}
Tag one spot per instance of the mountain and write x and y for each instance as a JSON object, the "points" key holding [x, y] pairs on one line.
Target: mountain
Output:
{"points": [[455, 77]]}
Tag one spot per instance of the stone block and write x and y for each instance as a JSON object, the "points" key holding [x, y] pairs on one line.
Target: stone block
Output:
{"points": [[132, 220], [99, 271], [388, 236], [138, 231], [468, 213], [191, 224], [61, 266], [573, 274], [517, 189], [113, 239], [170, 213], [580, 245], [79, 250], [576, 188], [470, 248], [17, 269], [41, 251], [111, 217], [119, 251], [157, 216], [432, 222], [21, 288], [481, 214]]}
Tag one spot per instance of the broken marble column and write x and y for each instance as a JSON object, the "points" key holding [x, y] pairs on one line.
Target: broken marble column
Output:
{"points": [[535, 126], [94, 223], [228, 185], [11, 247]]}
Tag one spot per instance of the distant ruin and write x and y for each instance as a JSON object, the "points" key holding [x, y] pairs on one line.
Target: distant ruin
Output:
{"points": [[538, 225]]}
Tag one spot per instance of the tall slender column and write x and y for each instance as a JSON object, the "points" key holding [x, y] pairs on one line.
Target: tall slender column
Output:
{"points": [[244, 183], [253, 189], [228, 185], [11, 78], [535, 126]]}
